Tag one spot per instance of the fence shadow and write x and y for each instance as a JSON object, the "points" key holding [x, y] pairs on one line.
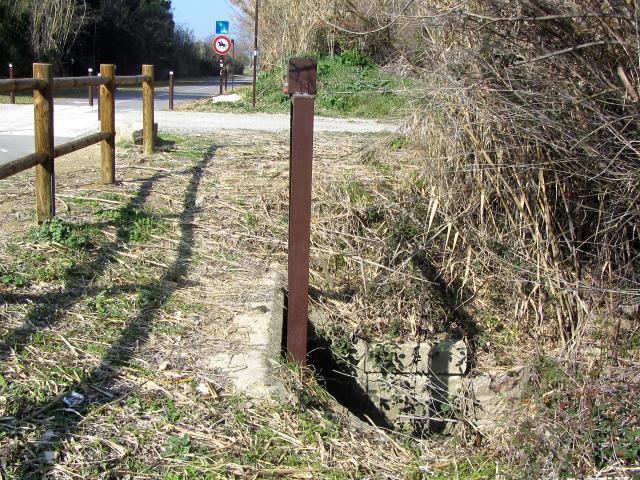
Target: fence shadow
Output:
{"points": [[135, 334], [40, 315]]}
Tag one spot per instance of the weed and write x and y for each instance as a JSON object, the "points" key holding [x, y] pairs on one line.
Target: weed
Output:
{"points": [[59, 231], [250, 219], [13, 279], [135, 224]]}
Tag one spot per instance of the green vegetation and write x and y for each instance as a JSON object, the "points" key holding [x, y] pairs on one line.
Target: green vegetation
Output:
{"points": [[349, 84]]}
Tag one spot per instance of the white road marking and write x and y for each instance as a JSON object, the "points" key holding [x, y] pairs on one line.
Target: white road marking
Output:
{"points": [[4, 150]]}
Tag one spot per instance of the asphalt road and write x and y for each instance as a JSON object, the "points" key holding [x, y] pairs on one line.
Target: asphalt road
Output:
{"points": [[16, 122]]}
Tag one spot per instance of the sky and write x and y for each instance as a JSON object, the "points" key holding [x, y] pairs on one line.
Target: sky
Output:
{"points": [[200, 15]]}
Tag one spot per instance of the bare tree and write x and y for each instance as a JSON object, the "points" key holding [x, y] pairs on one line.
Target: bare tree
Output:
{"points": [[55, 24]]}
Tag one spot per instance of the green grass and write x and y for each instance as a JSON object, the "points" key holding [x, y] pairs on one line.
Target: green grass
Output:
{"points": [[349, 85]]}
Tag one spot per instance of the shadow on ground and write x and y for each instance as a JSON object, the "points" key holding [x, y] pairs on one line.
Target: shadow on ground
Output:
{"points": [[50, 414]]}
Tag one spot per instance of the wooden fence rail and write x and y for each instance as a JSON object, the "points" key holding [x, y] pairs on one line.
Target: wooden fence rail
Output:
{"points": [[44, 86]]}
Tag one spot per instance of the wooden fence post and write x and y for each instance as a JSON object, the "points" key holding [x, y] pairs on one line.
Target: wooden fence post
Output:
{"points": [[148, 137], [43, 133], [107, 113]]}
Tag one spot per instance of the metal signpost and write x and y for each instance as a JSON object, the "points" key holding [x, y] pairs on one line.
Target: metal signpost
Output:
{"points": [[221, 45], [302, 89]]}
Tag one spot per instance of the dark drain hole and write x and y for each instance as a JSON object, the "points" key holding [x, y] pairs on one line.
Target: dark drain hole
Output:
{"points": [[337, 377]]}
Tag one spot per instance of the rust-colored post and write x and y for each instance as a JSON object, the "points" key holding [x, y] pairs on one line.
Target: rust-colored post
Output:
{"points": [[148, 138], [90, 74], [12, 95], [170, 90], [43, 133], [107, 113], [302, 74]]}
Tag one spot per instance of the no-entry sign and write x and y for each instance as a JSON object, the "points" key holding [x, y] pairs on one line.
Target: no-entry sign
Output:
{"points": [[221, 44]]}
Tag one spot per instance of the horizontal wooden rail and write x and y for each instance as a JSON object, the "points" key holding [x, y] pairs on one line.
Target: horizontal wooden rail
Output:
{"points": [[19, 164], [77, 82], [132, 80], [21, 84], [43, 85], [80, 143]]}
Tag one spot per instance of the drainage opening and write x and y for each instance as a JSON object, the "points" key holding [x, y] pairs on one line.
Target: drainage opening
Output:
{"points": [[335, 375]]}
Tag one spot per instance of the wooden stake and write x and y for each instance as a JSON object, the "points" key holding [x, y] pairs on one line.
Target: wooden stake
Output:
{"points": [[107, 113], [43, 132], [148, 138]]}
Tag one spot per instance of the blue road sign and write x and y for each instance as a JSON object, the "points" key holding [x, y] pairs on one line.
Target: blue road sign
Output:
{"points": [[222, 27]]}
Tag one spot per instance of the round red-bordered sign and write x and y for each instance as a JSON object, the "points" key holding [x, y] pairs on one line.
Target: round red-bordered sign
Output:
{"points": [[222, 44]]}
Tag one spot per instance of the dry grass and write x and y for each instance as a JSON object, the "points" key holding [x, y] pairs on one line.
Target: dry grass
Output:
{"points": [[123, 298]]}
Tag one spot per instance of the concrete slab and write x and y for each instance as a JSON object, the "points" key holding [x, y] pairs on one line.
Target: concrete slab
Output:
{"points": [[249, 365]]}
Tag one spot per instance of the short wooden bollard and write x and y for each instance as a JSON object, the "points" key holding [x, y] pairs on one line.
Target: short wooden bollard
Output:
{"points": [[107, 112], [90, 74], [170, 90], [221, 76], [302, 88], [43, 133], [12, 95], [148, 137]]}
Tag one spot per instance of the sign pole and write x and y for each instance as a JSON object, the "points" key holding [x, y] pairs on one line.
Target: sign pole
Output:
{"points": [[255, 55], [233, 62]]}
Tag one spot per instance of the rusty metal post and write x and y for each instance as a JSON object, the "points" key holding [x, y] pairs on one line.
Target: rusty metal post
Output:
{"points": [[90, 74], [302, 76], [12, 96], [170, 90]]}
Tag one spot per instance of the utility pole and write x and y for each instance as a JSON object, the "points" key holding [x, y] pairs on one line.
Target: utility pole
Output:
{"points": [[255, 55]]}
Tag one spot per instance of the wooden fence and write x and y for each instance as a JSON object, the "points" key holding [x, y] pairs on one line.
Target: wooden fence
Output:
{"points": [[44, 85]]}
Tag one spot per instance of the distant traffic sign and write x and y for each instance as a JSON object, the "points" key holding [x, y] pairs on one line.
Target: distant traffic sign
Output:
{"points": [[221, 44], [222, 27]]}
